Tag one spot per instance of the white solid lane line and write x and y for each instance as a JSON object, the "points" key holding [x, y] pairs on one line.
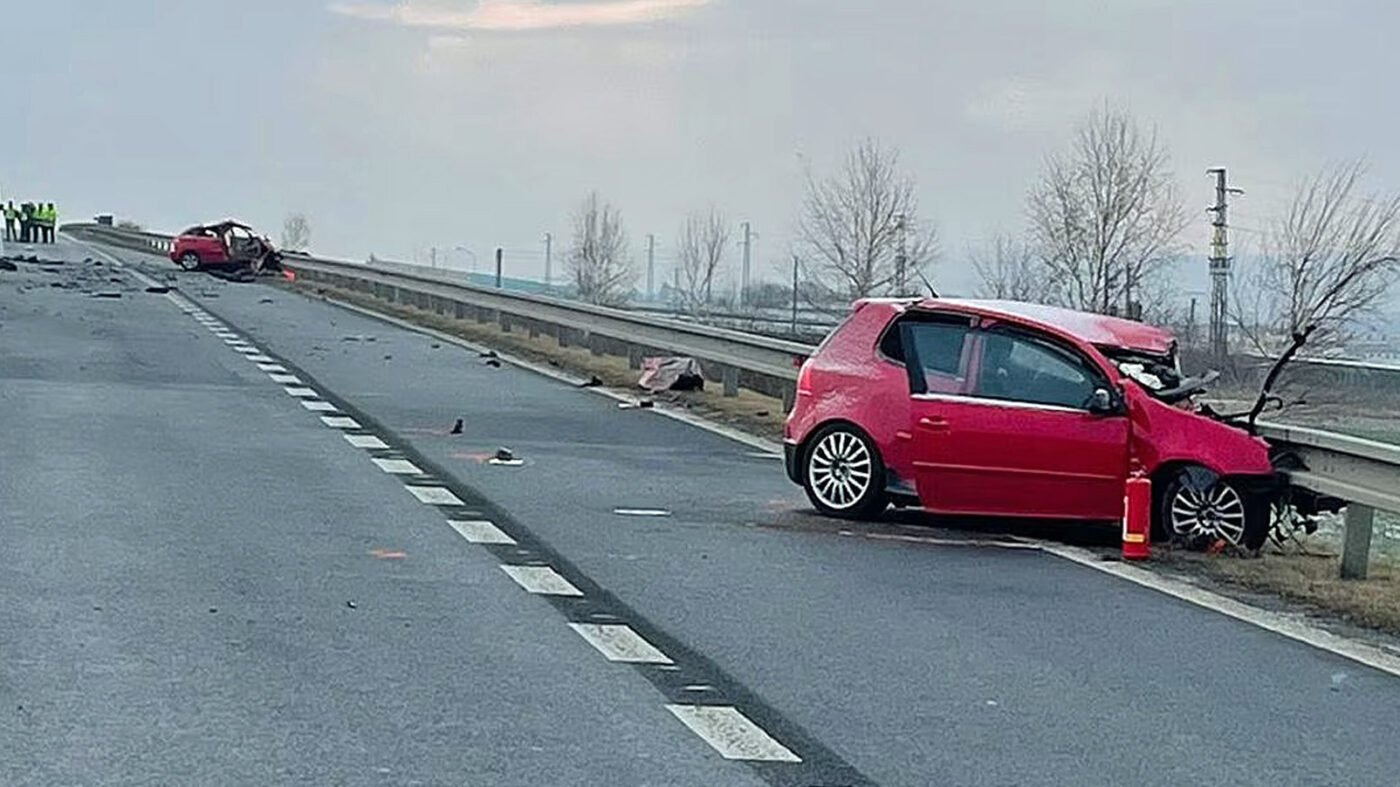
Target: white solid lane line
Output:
{"points": [[731, 733], [301, 393], [272, 367], [396, 466], [365, 441], [620, 643], [319, 407], [479, 531], [541, 580], [285, 379], [434, 495], [340, 422]]}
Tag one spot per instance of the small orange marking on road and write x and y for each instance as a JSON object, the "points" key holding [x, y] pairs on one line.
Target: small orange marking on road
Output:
{"points": [[388, 554], [478, 458]]}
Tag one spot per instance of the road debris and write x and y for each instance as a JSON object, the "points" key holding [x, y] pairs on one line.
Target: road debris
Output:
{"points": [[352, 605], [644, 404], [493, 363], [671, 374], [106, 295], [505, 457], [488, 354], [457, 427], [158, 289], [6, 265], [591, 382]]}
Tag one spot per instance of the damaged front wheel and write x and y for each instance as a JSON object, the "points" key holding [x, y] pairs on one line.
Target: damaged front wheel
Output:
{"points": [[1199, 509]]}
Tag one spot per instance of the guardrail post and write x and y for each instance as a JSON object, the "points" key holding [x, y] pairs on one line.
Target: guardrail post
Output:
{"points": [[504, 320], [731, 381], [534, 330], [561, 334], [459, 310], [634, 357], [1356, 542], [483, 315], [595, 344], [789, 396]]}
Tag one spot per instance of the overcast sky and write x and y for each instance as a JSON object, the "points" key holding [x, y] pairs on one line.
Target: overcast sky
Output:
{"points": [[399, 125]]}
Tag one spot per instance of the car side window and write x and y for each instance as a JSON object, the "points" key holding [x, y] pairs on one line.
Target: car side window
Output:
{"points": [[939, 343], [1022, 367]]}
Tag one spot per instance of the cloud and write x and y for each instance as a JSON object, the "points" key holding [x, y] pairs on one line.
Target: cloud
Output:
{"points": [[518, 14]]}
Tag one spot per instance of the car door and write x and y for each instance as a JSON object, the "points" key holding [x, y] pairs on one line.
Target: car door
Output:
{"points": [[1020, 438]]}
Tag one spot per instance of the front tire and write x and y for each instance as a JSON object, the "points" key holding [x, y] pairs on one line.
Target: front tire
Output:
{"points": [[843, 473], [189, 261], [1198, 508]]}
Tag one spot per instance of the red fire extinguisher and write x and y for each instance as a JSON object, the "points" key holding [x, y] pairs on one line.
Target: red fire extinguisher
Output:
{"points": [[1137, 517]]}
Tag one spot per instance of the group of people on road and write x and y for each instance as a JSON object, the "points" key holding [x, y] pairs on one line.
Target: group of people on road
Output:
{"points": [[31, 222]]}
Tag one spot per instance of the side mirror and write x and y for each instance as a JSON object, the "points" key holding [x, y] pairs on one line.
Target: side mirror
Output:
{"points": [[1102, 402]]}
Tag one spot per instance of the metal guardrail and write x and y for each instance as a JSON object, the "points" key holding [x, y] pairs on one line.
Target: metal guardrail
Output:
{"points": [[1365, 473]]}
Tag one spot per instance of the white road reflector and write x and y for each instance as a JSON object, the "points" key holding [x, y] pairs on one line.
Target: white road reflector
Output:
{"points": [[479, 531], [731, 733], [365, 441], [301, 393], [434, 495], [541, 580], [340, 422], [260, 359], [272, 367], [319, 407], [620, 643], [285, 379], [397, 466]]}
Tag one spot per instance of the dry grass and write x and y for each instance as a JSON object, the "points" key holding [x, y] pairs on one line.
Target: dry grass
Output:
{"points": [[1312, 581], [752, 412]]}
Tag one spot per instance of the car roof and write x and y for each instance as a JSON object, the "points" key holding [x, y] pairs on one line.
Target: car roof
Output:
{"points": [[214, 225], [1097, 329]]}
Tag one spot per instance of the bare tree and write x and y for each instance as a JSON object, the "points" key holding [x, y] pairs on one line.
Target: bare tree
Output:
{"points": [[1105, 215], [1009, 269], [703, 240], [296, 232], [859, 230], [1326, 262], [602, 269]]}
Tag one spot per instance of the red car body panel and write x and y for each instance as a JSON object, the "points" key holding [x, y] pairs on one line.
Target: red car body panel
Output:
{"points": [[211, 250], [970, 454]]}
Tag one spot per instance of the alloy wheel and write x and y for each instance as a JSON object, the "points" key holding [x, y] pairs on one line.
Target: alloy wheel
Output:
{"points": [[840, 470], [1215, 512]]}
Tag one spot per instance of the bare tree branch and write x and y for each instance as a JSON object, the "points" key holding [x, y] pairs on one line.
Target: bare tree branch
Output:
{"points": [[296, 232], [859, 231], [1105, 215], [1009, 270], [1328, 261], [603, 271], [703, 240]]}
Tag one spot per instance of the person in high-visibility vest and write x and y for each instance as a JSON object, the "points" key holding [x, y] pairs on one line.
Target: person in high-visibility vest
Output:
{"points": [[11, 216], [50, 222], [26, 223]]}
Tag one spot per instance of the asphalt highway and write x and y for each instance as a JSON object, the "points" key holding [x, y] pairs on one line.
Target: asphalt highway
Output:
{"points": [[241, 545]]}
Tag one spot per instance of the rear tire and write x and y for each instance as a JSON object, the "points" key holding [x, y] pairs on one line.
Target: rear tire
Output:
{"points": [[843, 473], [189, 261]]}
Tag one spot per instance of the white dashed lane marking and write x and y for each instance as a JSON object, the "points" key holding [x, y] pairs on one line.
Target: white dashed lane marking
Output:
{"points": [[731, 733], [479, 531], [246, 350], [272, 367], [397, 466], [259, 359], [541, 580], [340, 422], [434, 495], [285, 379], [319, 407], [301, 393], [364, 440], [620, 643]]}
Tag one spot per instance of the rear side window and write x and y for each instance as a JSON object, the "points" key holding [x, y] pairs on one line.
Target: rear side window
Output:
{"points": [[940, 343]]}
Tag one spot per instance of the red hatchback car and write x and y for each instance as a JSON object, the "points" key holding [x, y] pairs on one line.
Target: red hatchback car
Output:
{"points": [[1015, 409], [225, 244]]}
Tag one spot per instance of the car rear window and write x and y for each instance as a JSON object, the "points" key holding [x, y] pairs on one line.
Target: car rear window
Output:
{"points": [[939, 341]]}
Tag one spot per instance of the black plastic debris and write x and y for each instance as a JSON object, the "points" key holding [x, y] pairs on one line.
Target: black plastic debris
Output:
{"points": [[762, 413], [457, 427], [158, 289], [436, 346], [489, 354], [265, 300], [388, 357], [504, 456], [352, 605], [106, 295], [493, 363], [6, 265], [591, 382]]}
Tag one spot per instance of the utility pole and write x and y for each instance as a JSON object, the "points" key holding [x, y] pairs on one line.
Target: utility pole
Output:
{"points": [[548, 259], [651, 267], [794, 295], [500, 252], [748, 255], [1220, 265], [901, 259]]}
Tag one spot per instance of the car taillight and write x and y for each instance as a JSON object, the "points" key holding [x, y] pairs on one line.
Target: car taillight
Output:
{"points": [[804, 378]]}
